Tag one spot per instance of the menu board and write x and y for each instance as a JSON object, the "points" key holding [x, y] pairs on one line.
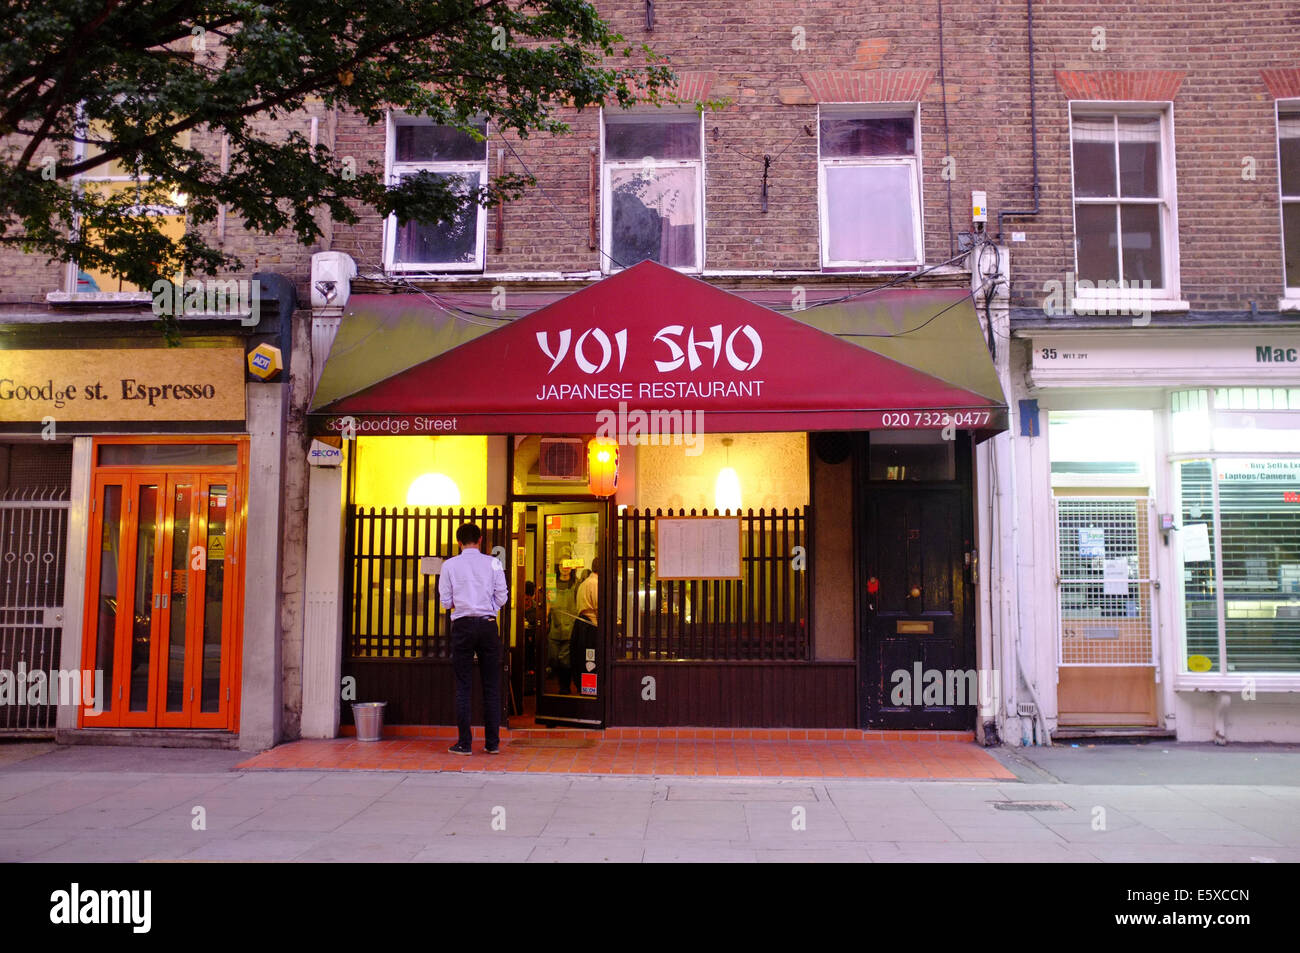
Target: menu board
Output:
{"points": [[697, 547]]}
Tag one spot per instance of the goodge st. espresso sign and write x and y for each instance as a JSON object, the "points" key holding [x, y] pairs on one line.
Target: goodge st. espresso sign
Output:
{"points": [[125, 385]]}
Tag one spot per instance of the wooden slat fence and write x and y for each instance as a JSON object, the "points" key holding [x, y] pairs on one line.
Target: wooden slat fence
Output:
{"points": [[392, 609], [763, 616]]}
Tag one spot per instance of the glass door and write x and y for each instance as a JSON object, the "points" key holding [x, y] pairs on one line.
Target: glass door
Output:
{"points": [[570, 662], [162, 604]]}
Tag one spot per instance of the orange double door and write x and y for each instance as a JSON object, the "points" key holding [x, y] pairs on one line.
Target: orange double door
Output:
{"points": [[164, 596]]}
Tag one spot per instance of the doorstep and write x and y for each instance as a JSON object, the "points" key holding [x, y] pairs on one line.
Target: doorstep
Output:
{"points": [[703, 734], [149, 737], [691, 752]]}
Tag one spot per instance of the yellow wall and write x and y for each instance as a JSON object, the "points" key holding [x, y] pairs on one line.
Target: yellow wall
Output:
{"points": [[387, 466], [773, 471]]}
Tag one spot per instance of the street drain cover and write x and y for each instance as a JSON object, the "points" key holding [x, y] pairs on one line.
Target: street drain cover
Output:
{"points": [[552, 743], [1031, 805]]}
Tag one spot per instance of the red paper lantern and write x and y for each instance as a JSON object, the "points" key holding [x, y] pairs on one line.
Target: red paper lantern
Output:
{"points": [[602, 467]]}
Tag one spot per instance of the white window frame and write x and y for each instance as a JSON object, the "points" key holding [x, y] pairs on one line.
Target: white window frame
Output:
{"points": [[393, 172], [1124, 299], [73, 269], [1290, 300], [666, 115], [872, 111]]}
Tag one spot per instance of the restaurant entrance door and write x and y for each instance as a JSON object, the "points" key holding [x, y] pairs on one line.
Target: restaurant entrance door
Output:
{"points": [[569, 654], [917, 646]]}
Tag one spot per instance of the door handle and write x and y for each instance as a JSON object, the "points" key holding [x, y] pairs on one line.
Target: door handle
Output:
{"points": [[164, 600]]}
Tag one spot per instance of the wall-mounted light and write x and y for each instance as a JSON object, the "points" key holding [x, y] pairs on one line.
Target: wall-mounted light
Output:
{"points": [[433, 489], [726, 491]]}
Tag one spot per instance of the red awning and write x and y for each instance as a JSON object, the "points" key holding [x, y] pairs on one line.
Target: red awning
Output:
{"points": [[650, 339]]}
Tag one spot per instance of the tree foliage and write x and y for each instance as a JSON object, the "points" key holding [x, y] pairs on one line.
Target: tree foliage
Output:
{"points": [[89, 87]]}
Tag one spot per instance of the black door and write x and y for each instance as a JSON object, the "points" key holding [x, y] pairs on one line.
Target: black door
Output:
{"points": [[570, 657], [918, 635]]}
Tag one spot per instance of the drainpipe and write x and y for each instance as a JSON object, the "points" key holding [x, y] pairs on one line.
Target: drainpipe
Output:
{"points": [[1033, 131]]}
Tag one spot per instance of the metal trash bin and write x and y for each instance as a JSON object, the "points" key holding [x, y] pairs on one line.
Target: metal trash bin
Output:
{"points": [[369, 719]]}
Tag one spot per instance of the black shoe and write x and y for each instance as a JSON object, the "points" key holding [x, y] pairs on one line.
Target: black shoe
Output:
{"points": [[459, 748], [496, 750]]}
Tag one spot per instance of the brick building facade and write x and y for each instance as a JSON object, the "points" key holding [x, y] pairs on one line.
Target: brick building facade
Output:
{"points": [[1196, 91]]}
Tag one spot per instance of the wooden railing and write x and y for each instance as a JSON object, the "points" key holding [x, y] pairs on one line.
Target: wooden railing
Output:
{"points": [[392, 609], [763, 615]]}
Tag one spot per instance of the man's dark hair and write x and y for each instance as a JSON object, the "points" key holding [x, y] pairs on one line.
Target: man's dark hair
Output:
{"points": [[530, 587], [468, 533]]}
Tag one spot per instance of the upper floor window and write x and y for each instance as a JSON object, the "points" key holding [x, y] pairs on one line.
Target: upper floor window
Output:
{"points": [[129, 190], [1125, 224], [869, 188], [1288, 155], [652, 190], [417, 145]]}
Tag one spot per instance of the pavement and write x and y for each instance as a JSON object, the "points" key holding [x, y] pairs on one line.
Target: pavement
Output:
{"points": [[1086, 804]]}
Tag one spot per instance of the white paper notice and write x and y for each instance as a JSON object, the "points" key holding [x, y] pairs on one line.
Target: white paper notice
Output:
{"points": [[698, 548], [1196, 542], [1115, 577]]}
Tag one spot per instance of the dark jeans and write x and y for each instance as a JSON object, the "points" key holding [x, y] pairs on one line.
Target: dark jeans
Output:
{"points": [[468, 637]]}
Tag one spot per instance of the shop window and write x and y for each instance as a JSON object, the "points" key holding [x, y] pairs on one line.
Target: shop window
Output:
{"points": [[1239, 530], [437, 472], [869, 187], [652, 190], [1101, 448], [737, 472], [419, 147], [1125, 220], [123, 181], [1288, 155]]}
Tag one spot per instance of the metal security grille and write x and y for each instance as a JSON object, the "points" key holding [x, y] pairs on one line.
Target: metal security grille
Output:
{"points": [[762, 616], [393, 610], [1094, 536], [33, 548]]}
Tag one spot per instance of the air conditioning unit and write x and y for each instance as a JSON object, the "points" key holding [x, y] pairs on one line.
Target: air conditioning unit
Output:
{"points": [[562, 460]]}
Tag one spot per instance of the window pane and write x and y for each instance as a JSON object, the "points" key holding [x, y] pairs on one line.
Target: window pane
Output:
{"points": [[1260, 520], [1140, 225], [1095, 242], [430, 143], [142, 623], [869, 213], [659, 140], [182, 507], [1094, 158], [1289, 150], [441, 242], [1139, 155], [911, 456], [1200, 607], [1139, 169], [165, 454], [863, 136], [106, 620], [1291, 242], [653, 216], [214, 589]]}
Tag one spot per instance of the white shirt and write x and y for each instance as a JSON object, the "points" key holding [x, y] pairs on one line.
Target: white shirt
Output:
{"points": [[472, 584]]}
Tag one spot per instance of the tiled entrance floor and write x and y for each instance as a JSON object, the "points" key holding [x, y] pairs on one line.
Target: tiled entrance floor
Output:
{"points": [[703, 752]]}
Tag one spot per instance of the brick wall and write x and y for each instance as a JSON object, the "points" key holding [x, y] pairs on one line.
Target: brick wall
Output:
{"points": [[1223, 111]]}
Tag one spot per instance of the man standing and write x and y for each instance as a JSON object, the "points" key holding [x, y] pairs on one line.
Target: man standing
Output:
{"points": [[473, 587]]}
